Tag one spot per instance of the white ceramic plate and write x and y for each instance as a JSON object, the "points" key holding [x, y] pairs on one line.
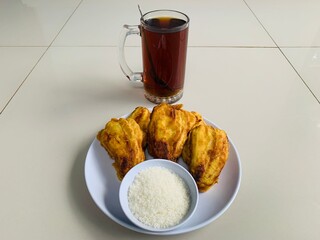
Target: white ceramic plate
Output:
{"points": [[104, 185]]}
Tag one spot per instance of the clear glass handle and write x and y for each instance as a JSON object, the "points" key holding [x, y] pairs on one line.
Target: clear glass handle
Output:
{"points": [[126, 31]]}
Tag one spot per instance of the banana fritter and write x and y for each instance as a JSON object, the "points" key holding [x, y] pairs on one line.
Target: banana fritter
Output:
{"points": [[142, 116], [123, 138], [206, 152], [168, 129]]}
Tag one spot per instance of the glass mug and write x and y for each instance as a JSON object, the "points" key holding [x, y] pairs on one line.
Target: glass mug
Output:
{"points": [[164, 36]]}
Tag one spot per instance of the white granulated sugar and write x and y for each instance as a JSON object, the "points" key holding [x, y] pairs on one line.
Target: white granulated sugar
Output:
{"points": [[158, 197]]}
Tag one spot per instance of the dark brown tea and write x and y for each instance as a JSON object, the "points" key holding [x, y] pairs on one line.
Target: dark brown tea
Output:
{"points": [[164, 49]]}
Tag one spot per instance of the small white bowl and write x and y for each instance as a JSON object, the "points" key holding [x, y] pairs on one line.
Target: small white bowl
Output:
{"points": [[174, 167]]}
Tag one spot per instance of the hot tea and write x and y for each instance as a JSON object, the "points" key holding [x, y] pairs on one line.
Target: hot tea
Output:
{"points": [[164, 49], [164, 36]]}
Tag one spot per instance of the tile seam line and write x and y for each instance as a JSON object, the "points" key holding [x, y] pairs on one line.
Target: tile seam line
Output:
{"points": [[277, 46], [194, 46], [191, 46], [307, 86], [65, 23], [24, 80], [40, 58], [115, 46]]}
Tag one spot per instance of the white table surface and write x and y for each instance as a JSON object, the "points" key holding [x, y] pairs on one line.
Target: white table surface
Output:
{"points": [[253, 68]]}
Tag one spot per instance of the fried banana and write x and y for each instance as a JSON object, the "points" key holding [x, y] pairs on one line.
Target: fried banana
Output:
{"points": [[123, 139], [206, 152], [142, 116], [168, 129]]}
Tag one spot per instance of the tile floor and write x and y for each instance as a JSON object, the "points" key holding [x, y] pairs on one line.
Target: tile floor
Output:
{"points": [[59, 67], [29, 28]]}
